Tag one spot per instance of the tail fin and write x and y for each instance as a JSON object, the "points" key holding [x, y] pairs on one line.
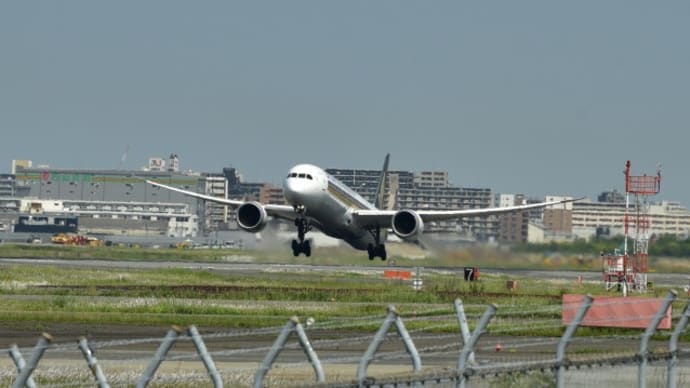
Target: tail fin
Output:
{"points": [[381, 188]]}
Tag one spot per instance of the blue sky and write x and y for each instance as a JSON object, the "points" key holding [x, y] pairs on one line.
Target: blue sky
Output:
{"points": [[535, 97]]}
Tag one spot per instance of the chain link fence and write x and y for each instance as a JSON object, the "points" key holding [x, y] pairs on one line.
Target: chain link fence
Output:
{"points": [[439, 351]]}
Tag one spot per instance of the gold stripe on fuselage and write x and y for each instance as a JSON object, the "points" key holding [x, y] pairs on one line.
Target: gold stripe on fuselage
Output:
{"points": [[343, 197]]}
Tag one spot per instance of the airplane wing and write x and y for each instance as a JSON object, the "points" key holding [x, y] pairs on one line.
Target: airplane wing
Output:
{"points": [[383, 217], [279, 211]]}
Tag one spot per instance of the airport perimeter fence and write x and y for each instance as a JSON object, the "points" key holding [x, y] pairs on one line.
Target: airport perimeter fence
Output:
{"points": [[392, 357]]}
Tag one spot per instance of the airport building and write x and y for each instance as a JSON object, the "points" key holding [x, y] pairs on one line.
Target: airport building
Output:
{"points": [[114, 201], [146, 219], [100, 191], [590, 219], [111, 201]]}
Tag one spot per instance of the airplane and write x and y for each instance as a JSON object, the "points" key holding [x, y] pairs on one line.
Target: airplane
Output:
{"points": [[318, 200]]}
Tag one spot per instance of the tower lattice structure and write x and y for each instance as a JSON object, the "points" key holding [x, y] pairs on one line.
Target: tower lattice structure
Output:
{"points": [[632, 266]]}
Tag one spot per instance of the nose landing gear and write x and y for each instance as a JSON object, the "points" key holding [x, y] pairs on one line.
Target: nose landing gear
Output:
{"points": [[301, 245]]}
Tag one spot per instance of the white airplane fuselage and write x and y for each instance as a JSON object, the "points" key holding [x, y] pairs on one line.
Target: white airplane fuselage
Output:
{"points": [[328, 202]]}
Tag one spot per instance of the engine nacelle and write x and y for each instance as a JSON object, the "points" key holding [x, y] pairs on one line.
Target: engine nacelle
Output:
{"points": [[251, 217], [407, 224]]}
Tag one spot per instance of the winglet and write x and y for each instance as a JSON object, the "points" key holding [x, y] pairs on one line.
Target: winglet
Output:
{"points": [[381, 188]]}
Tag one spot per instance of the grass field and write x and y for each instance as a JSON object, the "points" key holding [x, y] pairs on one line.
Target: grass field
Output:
{"points": [[41, 295], [346, 304]]}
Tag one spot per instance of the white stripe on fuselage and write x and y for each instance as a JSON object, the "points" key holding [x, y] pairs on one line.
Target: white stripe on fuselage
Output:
{"points": [[329, 202]]}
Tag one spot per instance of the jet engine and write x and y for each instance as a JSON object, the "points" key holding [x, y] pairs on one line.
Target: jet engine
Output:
{"points": [[251, 217], [407, 224]]}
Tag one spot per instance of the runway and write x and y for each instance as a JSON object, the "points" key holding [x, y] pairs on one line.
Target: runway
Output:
{"points": [[236, 265]]}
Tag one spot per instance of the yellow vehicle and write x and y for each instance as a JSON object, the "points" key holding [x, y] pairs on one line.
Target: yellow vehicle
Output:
{"points": [[75, 239], [61, 238], [183, 244]]}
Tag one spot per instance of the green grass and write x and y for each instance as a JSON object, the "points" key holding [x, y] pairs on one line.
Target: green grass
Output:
{"points": [[42, 294]]}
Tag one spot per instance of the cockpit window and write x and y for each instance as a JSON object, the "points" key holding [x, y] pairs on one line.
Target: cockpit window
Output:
{"points": [[300, 175]]}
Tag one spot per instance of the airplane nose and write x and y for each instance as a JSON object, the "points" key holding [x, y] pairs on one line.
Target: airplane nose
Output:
{"points": [[297, 190], [292, 188]]}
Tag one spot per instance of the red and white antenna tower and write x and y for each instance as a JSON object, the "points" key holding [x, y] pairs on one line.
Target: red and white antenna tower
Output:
{"points": [[626, 268], [641, 187]]}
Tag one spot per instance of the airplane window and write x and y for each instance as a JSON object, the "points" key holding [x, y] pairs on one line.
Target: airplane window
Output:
{"points": [[309, 177], [293, 175], [301, 175]]}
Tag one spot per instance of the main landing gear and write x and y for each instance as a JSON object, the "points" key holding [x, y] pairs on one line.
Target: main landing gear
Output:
{"points": [[301, 245], [377, 249]]}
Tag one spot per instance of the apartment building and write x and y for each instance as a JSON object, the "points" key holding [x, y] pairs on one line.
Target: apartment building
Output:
{"points": [[431, 179], [512, 227], [214, 216], [558, 219]]}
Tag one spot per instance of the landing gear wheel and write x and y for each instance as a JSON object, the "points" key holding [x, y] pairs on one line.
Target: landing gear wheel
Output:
{"points": [[382, 252], [378, 250], [306, 248], [295, 248], [372, 253]]}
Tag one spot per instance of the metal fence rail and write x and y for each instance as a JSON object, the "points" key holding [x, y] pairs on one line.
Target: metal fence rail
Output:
{"points": [[556, 368]]}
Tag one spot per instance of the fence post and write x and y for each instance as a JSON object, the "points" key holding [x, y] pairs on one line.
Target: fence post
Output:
{"points": [[291, 325], [565, 340], [469, 345], [20, 364], [391, 318], [163, 349], [311, 354], [93, 363], [644, 350], [673, 347], [205, 357], [36, 355], [464, 327]]}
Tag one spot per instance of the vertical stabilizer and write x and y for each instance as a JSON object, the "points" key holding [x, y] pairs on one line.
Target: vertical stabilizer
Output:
{"points": [[381, 188]]}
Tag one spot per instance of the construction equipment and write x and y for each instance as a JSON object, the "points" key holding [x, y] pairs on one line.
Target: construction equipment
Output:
{"points": [[75, 239]]}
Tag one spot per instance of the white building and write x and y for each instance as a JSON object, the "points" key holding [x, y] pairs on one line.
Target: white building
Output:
{"points": [[112, 217], [666, 218]]}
